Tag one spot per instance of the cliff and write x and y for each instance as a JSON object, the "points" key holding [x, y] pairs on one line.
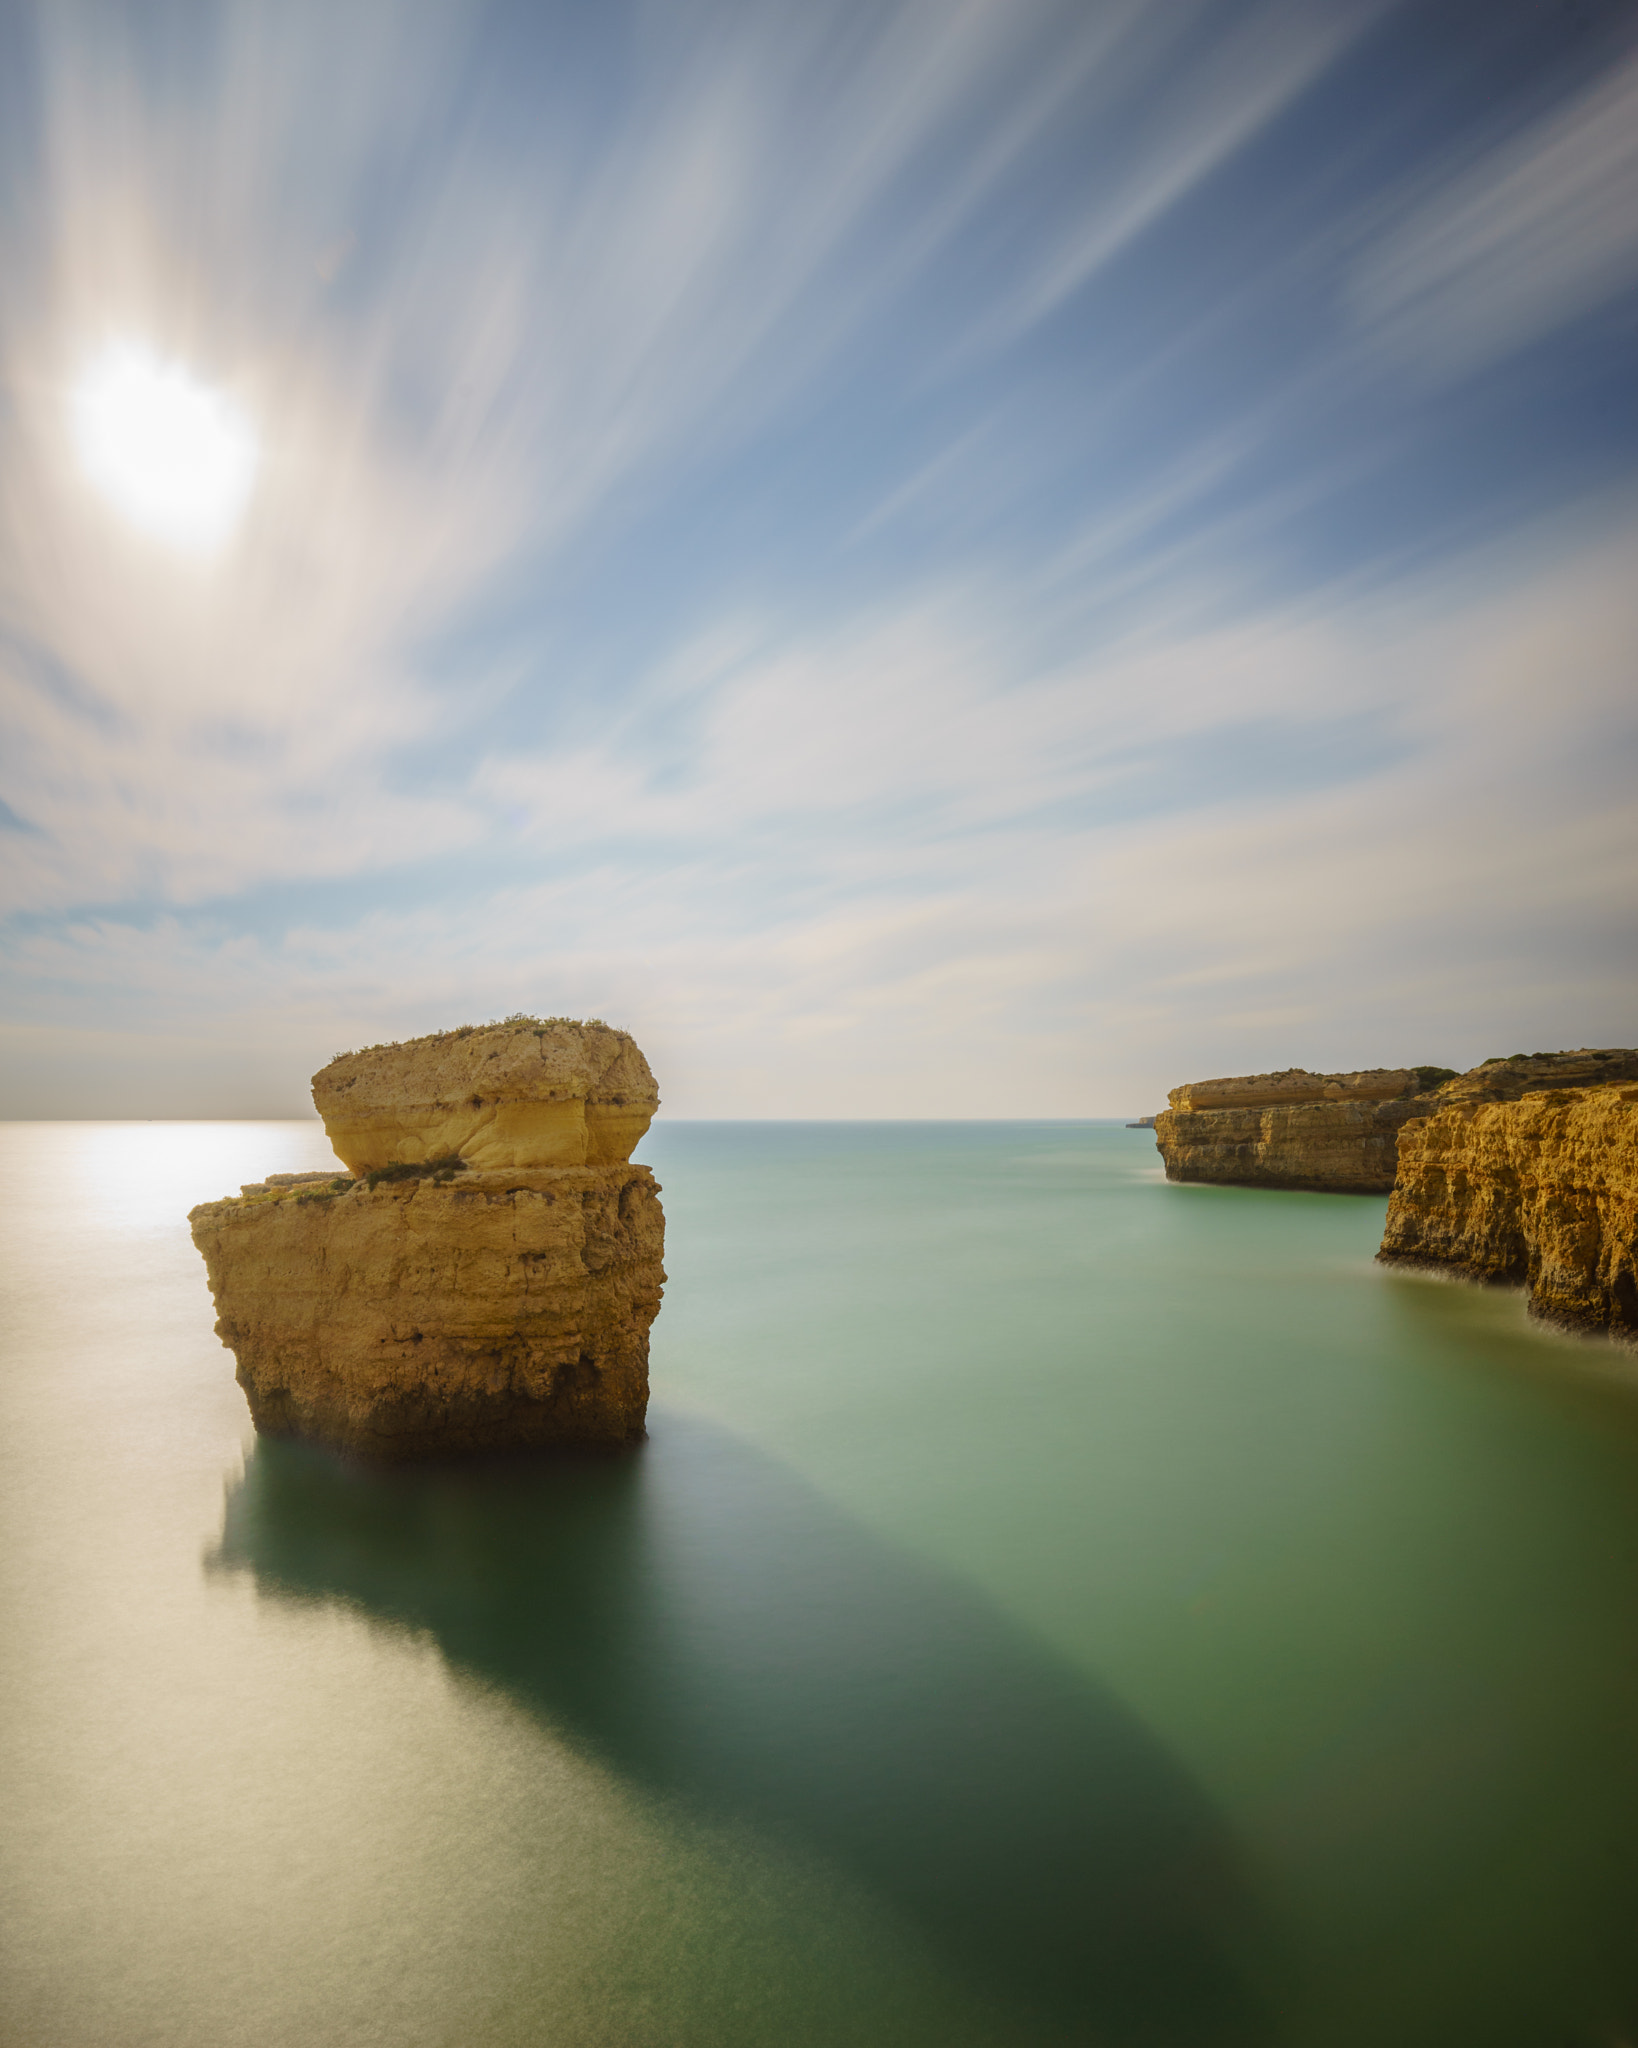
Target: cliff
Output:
{"points": [[1337, 1133], [431, 1306], [529, 1092], [1295, 1087], [1541, 1190], [1506, 1080]]}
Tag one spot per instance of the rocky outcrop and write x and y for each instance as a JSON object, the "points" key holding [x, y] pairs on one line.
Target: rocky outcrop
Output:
{"points": [[1539, 1190], [1524, 1073], [1295, 1087], [530, 1092], [1335, 1133], [430, 1306]]}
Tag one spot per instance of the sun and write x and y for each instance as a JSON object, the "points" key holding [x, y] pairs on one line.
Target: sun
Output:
{"points": [[174, 457]]}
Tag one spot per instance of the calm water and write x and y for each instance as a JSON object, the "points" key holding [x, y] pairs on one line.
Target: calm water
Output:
{"points": [[1052, 1607]]}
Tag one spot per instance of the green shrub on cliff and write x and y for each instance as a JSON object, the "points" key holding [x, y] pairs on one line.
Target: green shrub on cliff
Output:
{"points": [[427, 1169]]}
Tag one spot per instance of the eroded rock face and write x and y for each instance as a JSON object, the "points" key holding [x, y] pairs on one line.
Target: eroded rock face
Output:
{"points": [[486, 1275], [1540, 1190], [1528, 1072], [1336, 1133], [426, 1316], [527, 1093], [1296, 1086]]}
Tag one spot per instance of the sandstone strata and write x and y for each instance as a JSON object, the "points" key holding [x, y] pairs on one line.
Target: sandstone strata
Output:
{"points": [[430, 1306], [1336, 1133], [1506, 1080], [1540, 1190], [524, 1093]]}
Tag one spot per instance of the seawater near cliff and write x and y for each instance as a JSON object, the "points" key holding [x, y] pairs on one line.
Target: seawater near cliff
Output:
{"points": [[486, 1275]]}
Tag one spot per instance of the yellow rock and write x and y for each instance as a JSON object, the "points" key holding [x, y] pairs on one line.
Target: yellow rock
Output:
{"points": [[526, 1093], [1334, 1147], [1340, 1132], [1527, 1073], [1294, 1087], [1541, 1190], [456, 1312]]}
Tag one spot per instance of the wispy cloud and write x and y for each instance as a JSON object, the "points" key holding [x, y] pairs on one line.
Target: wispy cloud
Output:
{"points": [[793, 935], [1542, 230], [734, 547]]}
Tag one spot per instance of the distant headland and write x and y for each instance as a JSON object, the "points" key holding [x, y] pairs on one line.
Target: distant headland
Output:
{"points": [[1523, 1170]]}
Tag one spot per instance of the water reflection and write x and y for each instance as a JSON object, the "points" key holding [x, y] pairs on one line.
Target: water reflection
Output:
{"points": [[698, 1619]]}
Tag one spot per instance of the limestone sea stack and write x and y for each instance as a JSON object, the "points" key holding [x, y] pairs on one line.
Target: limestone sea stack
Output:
{"points": [[486, 1274], [1539, 1190], [1335, 1133]]}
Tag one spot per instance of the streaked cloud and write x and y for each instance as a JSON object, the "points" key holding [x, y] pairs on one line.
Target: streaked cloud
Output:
{"points": [[872, 542], [1540, 231]]}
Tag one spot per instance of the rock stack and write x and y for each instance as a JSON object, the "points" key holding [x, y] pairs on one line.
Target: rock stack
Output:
{"points": [[485, 1273]]}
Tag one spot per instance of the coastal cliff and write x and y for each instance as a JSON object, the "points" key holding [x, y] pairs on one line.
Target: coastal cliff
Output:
{"points": [[1335, 1133], [431, 1304], [1539, 1190], [1506, 1080]]}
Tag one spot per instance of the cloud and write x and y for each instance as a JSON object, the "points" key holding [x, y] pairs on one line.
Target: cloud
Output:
{"points": [[691, 576], [944, 939], [1197, 115], [453, 384], [1541, 231]]}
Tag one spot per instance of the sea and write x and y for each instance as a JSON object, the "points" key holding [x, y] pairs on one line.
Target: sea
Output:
{"points": [[1051, 1607]]}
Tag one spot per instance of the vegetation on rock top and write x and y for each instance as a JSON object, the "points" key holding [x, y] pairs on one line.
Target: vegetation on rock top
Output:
{"points": [[445, 1168], [519, 1020]]}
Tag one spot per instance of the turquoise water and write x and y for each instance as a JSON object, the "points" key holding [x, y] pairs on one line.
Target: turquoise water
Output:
{"points": [[1052, 1607]]}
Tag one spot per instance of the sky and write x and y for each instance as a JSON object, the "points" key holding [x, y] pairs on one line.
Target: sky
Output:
{"points": [[954, 558]]}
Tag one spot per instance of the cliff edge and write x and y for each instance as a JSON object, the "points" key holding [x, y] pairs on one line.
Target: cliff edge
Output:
{"points": [[431, 1304], [1538, 1189], [1331, 1133]]}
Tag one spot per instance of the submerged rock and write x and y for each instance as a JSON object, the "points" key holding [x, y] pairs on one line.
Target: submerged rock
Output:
{"points": [[431, 1305], [1539, 1190], [1336, 1133]]}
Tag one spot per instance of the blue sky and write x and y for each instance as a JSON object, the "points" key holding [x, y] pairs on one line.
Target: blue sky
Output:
{"points": [[978, 558]]}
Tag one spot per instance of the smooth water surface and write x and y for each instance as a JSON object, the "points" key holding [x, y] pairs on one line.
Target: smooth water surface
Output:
{"points": [[1052, 1607]]}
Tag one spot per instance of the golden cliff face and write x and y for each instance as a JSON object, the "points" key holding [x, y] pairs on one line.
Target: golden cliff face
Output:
{"points": [[1296, 1087], [1527, 1073], [432, 1305], [437, 1315], [1542, 1189], [527, 1093], [1335, 1133]]}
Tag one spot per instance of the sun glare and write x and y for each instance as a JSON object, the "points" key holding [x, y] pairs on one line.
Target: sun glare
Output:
{"points": [[176, 458]]}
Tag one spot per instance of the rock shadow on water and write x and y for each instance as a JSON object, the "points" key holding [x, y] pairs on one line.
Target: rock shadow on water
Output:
{"points": [[695, 1617]]}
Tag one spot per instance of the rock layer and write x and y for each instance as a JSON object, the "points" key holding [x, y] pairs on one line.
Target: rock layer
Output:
{"points": [[429, 1315], [1506, 1080], [1335, 1133], [529, 1092], [1295, 1086], [1541, 1190]]}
